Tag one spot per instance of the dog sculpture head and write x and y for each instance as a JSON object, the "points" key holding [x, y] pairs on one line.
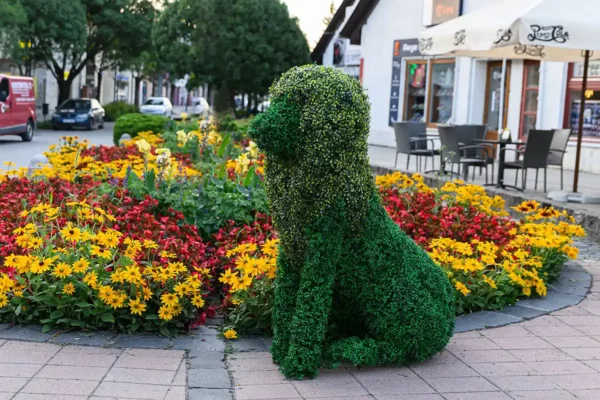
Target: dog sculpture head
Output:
{"points": [[315, 112]]}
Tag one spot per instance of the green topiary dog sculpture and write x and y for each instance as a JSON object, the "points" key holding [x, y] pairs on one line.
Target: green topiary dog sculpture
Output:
{"points": [[350, 285]]}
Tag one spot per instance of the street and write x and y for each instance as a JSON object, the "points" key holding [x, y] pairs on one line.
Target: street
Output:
{"points": [[12, 148]]}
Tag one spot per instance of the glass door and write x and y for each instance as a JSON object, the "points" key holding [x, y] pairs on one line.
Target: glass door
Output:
{"points": [[493, 98]]}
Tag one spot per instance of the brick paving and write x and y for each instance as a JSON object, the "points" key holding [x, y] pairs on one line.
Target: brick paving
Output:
{"points": [[45, 371], [552, 357]]}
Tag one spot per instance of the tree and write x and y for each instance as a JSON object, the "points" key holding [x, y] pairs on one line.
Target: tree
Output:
{"points": [[239, 46], [12, 18], [66, 35], [327, 19]]}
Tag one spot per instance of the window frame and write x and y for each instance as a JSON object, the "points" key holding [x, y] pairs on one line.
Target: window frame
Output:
{"points": [[524, 90], [429, 62]]}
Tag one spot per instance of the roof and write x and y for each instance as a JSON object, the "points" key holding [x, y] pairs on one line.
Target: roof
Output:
{"points": [[336, 21], [353, 27]]}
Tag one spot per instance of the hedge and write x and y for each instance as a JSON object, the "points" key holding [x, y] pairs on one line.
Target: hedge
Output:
{"points": [[114, 111], [133, 124]]}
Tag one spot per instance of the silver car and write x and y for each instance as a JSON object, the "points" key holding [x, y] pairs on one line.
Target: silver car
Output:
{"points": [[157, 106]]}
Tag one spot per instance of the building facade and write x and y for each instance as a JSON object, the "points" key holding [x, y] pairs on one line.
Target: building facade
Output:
{"points": [[520, 95]]}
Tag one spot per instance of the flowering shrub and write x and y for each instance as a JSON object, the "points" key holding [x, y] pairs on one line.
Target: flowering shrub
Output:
{"points": [[491, 260], [77, 270], [74, 159]]}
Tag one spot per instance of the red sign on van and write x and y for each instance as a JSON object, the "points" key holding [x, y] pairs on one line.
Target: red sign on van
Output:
{"points": [[17, 106]]}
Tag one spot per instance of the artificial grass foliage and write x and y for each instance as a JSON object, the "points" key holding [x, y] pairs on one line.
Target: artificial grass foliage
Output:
{"points": [[350, 285]]}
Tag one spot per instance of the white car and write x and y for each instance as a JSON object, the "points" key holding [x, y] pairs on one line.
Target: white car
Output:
{"points": [[200, 107], [157, 106]]}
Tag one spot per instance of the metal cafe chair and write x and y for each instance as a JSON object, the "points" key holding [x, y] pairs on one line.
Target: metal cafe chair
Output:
{"points": [[457, 153], [558, 148], [466, 135], [410, 140], [534, 156]]}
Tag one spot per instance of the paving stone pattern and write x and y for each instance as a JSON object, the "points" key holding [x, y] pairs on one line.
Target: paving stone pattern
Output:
{"points": [[47, 371], [556, 356]]}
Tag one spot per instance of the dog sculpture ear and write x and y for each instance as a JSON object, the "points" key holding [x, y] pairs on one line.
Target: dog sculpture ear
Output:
{"points": [[276, 131]]}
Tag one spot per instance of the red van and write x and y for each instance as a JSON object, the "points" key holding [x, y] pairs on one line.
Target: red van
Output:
{"points": [[17, 106]]}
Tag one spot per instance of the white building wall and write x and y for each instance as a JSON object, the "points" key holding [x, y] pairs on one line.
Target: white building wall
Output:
{"points": [[390, 20]]}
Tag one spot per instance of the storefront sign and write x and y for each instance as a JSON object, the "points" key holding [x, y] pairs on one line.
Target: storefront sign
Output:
{"points": [[402, 48], [593, 71], [438, 11]]}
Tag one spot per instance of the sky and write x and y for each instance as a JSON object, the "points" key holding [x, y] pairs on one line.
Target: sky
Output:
{"points": [[311, 14]]}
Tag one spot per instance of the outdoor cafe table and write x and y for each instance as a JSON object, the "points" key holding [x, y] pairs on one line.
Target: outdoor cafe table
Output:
{"points": [[501, 158]]}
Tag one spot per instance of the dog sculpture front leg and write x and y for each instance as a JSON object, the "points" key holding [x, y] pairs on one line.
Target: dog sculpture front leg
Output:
{"points": [[313, 301]]}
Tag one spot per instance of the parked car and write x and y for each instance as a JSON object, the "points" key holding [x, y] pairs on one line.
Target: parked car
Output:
{"points": [[200, 107], [79, 113], [157, 106], [17, 106]]}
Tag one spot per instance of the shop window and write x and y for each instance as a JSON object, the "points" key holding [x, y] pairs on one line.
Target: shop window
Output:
{"points": [[529, 102], [416, 91], [591, 114], [429, 94]]}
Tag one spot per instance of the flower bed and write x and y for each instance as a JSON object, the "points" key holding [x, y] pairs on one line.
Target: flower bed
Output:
{"points": [[193, 198]]}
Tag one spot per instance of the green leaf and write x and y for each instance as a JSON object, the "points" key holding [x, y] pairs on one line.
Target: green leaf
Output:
{"points": [[57, 314], [107, 317], [216, 159], [222, 172], [223, 146], [46, 328], [18, 310], [216, 181], [78, 323], [249, 176], [150, 180]]}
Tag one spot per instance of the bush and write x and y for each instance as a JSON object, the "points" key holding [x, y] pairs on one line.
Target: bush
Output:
{"points": [[43, 124], [133, 124], [350, 285], [114, 111]]}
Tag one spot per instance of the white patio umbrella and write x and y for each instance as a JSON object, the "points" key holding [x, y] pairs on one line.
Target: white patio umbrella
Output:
{"points": [[545, 30]]}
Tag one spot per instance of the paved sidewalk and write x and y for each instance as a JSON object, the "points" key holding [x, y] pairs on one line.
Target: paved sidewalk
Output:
{"points": [[554, 357], [44, 371]]}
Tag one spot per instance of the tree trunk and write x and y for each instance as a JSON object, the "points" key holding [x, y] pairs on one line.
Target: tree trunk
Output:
{"points": [[224, 102], [99, 91], [138, 81], [249, 105], [64, 90]]}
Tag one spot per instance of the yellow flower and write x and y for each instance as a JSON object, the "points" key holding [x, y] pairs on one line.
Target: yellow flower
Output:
{"points": [[81, 266], [132, 274], [3, 300], [62, 270], [198, 301], [167, 254], [137, 307], [150, 244], [230, 334], [69, 289], [99, 252], [165, 313], [147, 293], [91, 279], [9, 164], [462, 288], [169, 299], [490, 282], [143, 146], [39, 266], [69, 232]]}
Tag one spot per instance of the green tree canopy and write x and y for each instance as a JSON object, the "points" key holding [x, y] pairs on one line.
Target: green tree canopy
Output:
{"points": [[66, 35], [241, 46]]}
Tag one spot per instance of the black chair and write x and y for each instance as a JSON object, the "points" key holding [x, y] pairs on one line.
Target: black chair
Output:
{"points": [[410, 140], [457, 153], [466, 135], [558, 148], [535, 156]]}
